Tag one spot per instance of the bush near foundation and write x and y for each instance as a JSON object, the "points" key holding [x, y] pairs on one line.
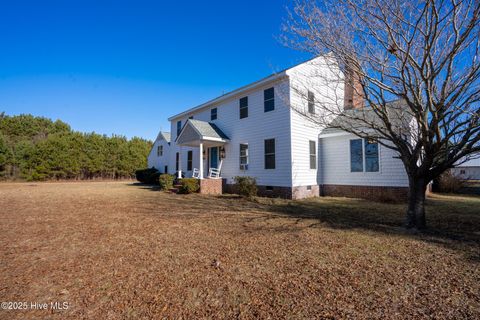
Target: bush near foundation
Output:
{"points": [[149, 175], [166, 181], [189, 185], [246, 186], [449, 182]]}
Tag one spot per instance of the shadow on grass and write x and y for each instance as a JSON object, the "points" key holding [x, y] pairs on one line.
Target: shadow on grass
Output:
{"points": [[146, 186], [453, 220]]}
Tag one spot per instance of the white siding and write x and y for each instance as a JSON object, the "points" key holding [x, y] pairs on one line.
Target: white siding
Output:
{"points": [[302, 78], [467, 173], [254, 129], [159, 162], [335, 154]]}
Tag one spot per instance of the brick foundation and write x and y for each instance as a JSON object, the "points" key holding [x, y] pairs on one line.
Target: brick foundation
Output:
{"points": [[304, 192], [393, 194], [211, 186], [281, 192], [375, 193]]}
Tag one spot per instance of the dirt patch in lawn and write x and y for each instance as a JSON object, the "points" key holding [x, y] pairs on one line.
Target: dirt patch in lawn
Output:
{"points": [[125, 251]]}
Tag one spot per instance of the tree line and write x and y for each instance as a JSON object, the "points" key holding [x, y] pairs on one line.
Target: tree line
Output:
{"points": [[37, 148]]}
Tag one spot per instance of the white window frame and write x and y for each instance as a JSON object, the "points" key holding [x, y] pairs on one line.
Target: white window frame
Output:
{"points": [[160, 150], [244, 166], [364, 159]]}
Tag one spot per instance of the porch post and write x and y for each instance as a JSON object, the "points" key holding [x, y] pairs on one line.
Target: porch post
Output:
{"points": [[179, 175], [200, 149]]}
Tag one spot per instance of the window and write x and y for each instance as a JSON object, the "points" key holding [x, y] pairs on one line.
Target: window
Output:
{"points": [[213, 114], [356, 155], [191, 117], [189, 160], [159, 151], [371, 156], [243, 107], [270, 154], [243, 156], [309, 188], [462, 171], [179, 127], [313, 155], [166, 169], [177, 160], [269, 188], [311, 102], [364, 151], [269, 100]]}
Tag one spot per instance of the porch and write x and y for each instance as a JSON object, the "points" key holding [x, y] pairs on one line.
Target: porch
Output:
{"points": [[210, 141]]}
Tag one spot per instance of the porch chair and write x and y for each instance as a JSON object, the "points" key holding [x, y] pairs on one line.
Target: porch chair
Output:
{"points": [[196, 173], [214, 173]]}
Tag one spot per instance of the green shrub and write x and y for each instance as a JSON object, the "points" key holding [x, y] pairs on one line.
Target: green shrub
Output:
{"points": [[149, 175], [188, 185], [246, 186], [166, 181]]}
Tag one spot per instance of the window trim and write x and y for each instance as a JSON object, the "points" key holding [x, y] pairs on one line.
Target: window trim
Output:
{"points": [[312, 155], [364, 158], [265, 100], [213, 112], [190, 160], [311, 102], [160, 150], [243, 166], [179, 127], [270, 154], [243, 108]]}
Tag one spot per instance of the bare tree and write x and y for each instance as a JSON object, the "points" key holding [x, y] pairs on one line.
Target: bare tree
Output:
{"points": [[424, 55]]}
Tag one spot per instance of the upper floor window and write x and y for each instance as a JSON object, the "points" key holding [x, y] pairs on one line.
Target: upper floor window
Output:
{"points": [[213, 114], [269, 100], [243, 107], [313, 154], [311, 102], [270, 154], [364, 155], [159, 151], [243, 156], [179, 127]]}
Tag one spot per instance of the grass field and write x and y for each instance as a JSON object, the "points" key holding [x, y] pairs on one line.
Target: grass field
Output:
{"points": [[116, 250]]}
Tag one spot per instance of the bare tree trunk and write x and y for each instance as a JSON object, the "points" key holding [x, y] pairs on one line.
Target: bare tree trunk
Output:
{"points": [[416, 204]]}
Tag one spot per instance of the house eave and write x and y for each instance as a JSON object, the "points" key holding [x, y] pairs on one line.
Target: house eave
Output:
{"points": [[259, 83]]}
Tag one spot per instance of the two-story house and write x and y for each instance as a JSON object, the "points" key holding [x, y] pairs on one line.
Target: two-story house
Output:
{"points": [[254, 131]]}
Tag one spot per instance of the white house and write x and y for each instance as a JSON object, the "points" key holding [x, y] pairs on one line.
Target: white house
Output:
{"points": [[469, 170], [253, 131], [159, 155]]}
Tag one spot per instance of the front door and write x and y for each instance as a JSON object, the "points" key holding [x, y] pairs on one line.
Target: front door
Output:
{"points": [[214, 157]]}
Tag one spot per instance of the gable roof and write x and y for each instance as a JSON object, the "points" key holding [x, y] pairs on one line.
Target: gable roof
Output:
{"points": [[400, 118], [202, 130], [164, 135]]}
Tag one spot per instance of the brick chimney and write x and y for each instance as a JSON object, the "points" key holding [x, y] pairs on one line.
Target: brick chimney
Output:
{"points": [[353, 92]]}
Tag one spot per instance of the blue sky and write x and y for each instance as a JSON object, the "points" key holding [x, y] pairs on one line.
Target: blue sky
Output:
{"points": [[124, 67]]}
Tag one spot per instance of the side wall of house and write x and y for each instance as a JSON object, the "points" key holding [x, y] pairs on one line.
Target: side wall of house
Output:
{"points": [[159, 162], [310, 76], [336, 169], [253, 130]]}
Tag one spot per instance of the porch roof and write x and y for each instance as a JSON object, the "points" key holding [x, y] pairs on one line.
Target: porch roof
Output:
{"points": [[196, 131]]}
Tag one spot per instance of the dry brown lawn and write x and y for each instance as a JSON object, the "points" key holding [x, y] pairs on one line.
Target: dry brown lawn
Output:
{"points": [[116, 250]]}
